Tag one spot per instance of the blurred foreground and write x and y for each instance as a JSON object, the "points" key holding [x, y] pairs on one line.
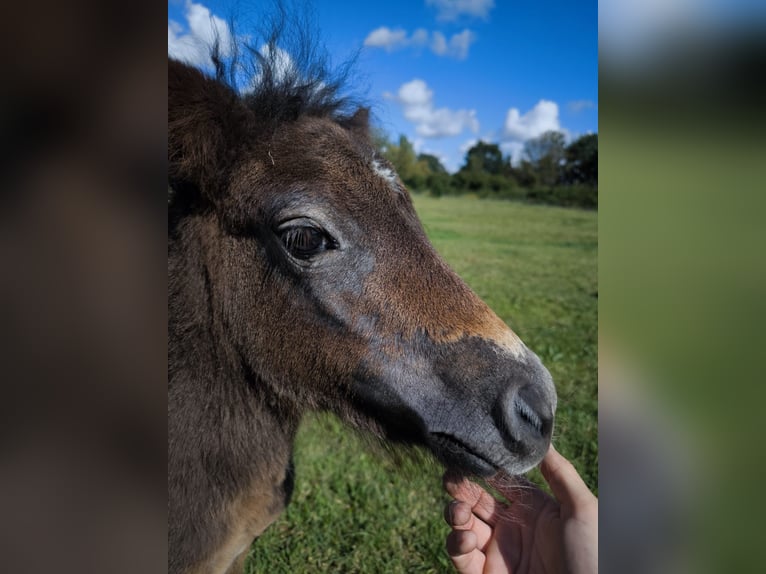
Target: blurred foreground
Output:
{"points": [[83, 336], [682, 279]]}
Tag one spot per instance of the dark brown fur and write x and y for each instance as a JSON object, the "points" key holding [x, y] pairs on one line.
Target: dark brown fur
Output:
{"points": [[377, 329]]}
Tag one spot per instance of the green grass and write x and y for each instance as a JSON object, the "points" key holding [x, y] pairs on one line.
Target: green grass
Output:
{"points": [[355, 509]]}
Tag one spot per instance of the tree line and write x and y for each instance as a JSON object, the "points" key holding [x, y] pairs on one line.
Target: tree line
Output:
{"points": [[549, 171]]}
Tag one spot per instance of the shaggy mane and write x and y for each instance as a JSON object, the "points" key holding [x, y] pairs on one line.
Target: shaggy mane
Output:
{"points": [[284, 74]]}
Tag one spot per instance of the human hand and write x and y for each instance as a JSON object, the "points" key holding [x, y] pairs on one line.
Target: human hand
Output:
{"points": [[536, 534]]}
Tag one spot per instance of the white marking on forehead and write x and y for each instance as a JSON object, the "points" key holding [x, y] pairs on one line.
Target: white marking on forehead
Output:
{"points": [[386, 173]]}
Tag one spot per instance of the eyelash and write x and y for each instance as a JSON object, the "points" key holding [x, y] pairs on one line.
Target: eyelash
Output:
{"points": [[305, 241]]}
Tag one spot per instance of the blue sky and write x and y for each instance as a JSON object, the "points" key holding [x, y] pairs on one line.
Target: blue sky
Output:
{"points": [[447, 73]]}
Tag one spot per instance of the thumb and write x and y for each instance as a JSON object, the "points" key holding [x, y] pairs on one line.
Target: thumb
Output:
{"points": [[567, 486]]}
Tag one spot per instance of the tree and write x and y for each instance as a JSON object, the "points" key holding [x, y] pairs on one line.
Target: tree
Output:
{"points": [[582, 161], [484, 157], [546, 153], [411, 169], [432, 163], [550, 143], [526, 174], [380, 140], [402, 157]]}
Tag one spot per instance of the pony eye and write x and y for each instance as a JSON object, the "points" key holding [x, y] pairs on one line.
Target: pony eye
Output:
{"points": [[305, 241]]}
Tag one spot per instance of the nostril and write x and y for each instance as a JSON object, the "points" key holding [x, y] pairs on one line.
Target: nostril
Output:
{"points": [[527, 415]]}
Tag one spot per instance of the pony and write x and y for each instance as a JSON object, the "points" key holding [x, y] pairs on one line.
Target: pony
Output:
{"points": [[300, 279]]}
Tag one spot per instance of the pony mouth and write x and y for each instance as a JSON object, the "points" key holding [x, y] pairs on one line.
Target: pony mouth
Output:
{"points": [[457, 455]]}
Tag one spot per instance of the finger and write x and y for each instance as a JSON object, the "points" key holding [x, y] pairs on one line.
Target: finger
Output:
{"points": [[461, 542], [567, 486], [460, 517], [462, 549], [482, 503], [461, 488]]}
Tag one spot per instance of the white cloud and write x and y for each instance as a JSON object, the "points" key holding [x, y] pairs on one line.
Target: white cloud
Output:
{"points": [[519, 128], [204, 29], [419, 37], [387, 39], [459, 44], [578, 106], [540, 119], [416, 94], [283, 63], [417, 104], [439, 44], [452, 9]]}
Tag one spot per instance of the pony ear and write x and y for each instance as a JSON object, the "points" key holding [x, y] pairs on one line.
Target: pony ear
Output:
{"points": [[204, 120], [359, 123]]}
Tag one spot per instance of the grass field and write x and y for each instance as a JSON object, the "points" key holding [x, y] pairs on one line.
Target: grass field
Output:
{"points": [[356, 509]]}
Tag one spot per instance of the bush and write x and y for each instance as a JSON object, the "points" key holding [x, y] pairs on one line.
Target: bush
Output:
{"points": [[496, 186], [439, 184], [565, 195], [485, 185], [471, 181]]}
